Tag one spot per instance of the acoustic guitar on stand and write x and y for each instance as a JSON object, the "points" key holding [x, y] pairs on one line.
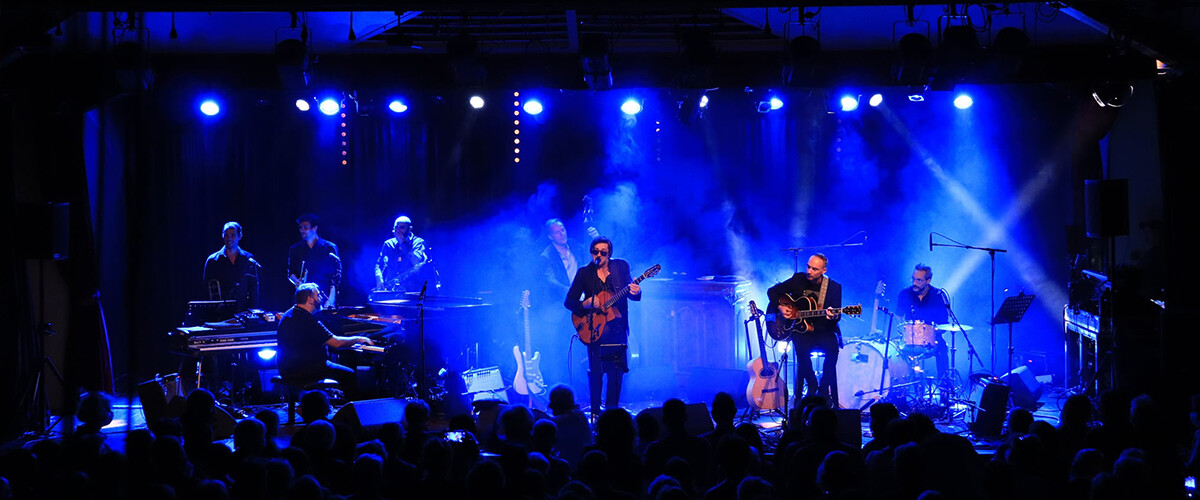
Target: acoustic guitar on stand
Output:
{"points": [[765, 391], [590, 325]]}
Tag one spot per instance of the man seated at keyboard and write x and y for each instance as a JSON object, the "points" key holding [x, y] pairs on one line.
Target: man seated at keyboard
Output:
{"points": [[303, 352]]}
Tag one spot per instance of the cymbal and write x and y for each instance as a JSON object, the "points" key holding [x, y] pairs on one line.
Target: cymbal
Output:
{"points": [[953, 328]]}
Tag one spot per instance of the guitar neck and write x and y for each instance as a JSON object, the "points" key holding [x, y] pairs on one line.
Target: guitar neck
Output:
{"points": [[816, 313], [622, 293]]}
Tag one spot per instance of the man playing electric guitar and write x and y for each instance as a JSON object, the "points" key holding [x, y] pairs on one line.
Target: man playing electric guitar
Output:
{"points": [[595, 282], [812, 334], [402, 259]]}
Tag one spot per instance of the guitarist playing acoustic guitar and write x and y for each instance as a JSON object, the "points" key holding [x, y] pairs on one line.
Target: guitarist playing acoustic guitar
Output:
{"points": [[597, 282], [819, 333]]}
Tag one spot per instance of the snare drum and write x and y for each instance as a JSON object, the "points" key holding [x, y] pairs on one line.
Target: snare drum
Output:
{"points": [[918, 334], [859, 367]]}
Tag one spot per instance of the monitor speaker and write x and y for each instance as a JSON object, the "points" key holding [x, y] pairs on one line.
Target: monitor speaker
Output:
{"points": [[365, 417], [699, 420], [993, 403], [1025, 388]]}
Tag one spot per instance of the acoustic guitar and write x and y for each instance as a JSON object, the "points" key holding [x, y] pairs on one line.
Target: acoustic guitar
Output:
{"points": [[590, 325], [528, 381], [765, 391], [807, 308]]}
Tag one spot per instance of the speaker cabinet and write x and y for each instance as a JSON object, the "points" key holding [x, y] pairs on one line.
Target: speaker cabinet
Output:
{"points": [[699, 420], [993, 404], [1025, 388], [365, 417]]}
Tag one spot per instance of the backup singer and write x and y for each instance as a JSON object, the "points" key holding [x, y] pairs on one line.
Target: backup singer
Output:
{"points": [[401, 259], [315, 260], [303, 342], [608, 354], [232, 273], [926, 303], [825, 334]]}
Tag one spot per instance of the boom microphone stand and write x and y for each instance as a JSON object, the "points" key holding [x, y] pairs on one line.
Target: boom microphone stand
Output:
{"points": [[796, 250], [991, 252]]}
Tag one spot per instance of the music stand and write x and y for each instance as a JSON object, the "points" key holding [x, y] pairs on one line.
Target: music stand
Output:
{"points": [[1011, 311]]}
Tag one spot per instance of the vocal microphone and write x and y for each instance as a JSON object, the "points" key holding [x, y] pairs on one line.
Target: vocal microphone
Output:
{"points": [[596, 260], [424, 287], [858, 394], [930, 242], [754, 312], [254, 262]]}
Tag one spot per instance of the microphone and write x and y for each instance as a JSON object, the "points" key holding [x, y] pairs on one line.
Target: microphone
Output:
{"points": [[858, 394], [424, 287], [930, 242], [254, 262], [596, 260], [754, 312]]}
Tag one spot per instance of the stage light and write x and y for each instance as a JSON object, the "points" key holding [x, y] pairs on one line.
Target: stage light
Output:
{"points": [[210, 107], [703, 101], [533, 107], [476, 102], [776, 103], [849, 102], [397, 106], [329, 106], [266, 354], [963, 101], [875, 100], [631, 107], [303, 105], [1112, 94], [593, 55]]}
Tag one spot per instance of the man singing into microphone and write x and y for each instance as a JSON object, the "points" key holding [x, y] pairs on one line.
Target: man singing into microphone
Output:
{"points": [[926, 303], [232, 273], [607, 354]]}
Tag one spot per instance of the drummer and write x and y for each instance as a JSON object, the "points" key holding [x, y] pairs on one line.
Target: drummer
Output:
{"points": [[924, 303]]}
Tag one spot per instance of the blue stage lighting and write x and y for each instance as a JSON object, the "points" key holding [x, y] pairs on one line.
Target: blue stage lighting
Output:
{"points": [[397, 106], [849, 103], [266, 354], [631, 107], [210, 107], [533, 107], [963, 101], [703, 101], [303, 105], [875, 100], [329, 106], [476, 102], [776, 103]]}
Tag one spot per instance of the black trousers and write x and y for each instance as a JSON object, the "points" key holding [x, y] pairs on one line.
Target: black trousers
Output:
{"points": [[805, 343], [606, 359], [346, 377]]}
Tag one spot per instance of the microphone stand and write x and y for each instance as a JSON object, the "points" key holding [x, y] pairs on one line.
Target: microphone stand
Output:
{"points": [[991, 252], [796, 250], [421, 332]]}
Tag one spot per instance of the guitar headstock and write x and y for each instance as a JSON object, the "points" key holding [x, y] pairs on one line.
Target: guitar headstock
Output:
{"points": [[524, 299], [880, 288], [853, 310], [651, 272]]}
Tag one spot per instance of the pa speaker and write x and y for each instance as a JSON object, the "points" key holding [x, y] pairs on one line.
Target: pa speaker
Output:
{"points": [[699, 420], [365, 417], [1025, 388], [1106, 207], [989, 419], [849, 427]]}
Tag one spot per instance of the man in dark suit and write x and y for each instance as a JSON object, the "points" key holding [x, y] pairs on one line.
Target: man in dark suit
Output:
{"points": [[606, 354], [823, 333]]}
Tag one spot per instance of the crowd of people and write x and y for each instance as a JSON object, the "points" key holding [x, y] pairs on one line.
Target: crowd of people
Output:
{"points": [[1119, 450]]}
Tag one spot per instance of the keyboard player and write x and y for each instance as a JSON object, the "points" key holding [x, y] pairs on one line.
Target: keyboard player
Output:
{"points": [[303, 343]]}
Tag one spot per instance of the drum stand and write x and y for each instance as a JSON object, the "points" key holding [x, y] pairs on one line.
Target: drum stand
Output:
{"points": [[952, 372]]}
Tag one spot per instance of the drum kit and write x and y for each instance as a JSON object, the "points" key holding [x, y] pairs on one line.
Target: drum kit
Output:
{"points": [[872, 368]]}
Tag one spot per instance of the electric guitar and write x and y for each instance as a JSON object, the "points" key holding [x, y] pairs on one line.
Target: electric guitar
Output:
{"points": [[806, 308], [399, 282], [528, 381], [765, 390], [590, 325]]}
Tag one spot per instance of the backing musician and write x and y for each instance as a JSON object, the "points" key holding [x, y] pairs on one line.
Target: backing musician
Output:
{"points": [[608, 354], [922, 302], [401, 259], [232, 273], [824, 335], [303, 341], [315, 260]]}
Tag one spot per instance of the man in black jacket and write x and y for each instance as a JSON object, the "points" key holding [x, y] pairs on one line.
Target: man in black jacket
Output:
{"points": [[823, 333], [607, 353]]}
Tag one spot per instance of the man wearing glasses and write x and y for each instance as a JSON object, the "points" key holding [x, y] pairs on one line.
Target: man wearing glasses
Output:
{"points": [[928, 304], [607, 354]]}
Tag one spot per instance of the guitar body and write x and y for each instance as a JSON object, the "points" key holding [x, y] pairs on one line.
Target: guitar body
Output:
{"points": [[806, 307], [765, 391], [529, 373], [590, 330]]}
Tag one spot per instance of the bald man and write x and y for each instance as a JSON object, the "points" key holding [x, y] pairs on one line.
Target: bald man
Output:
{"points": [[402, 259]]}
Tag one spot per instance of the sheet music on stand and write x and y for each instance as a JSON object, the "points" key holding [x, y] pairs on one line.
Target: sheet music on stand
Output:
{"points": [[1011, 311]]}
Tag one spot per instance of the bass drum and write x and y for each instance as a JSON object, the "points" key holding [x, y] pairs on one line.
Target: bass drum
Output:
{"points": [[859, 367]]}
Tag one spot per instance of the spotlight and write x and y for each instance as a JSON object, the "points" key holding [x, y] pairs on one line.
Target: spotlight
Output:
{"points": [[963, 101], [476, 102], [1110, 94], [397, 106], [769, 105], [849, 102], [704, 101], [532, 107], [329, 106], [266, 354], [210, 107], [303, 105], [776, 103], [631, 107], [593, 54], [875, 100]]}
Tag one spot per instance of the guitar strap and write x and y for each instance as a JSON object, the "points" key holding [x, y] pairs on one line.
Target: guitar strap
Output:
{"points": [[821, 295]]}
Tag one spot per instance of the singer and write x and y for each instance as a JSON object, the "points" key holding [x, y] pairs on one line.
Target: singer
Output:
{"points": [[925, 303], [232, 273], [825, 334], [402, 259], [608, 354]]}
